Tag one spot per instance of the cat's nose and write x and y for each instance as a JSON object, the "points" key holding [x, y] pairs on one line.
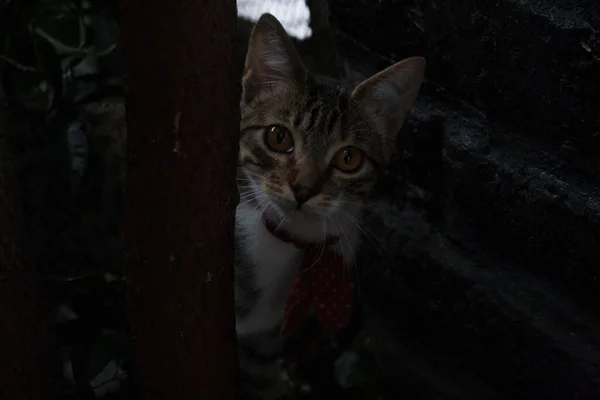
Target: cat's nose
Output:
{"points": [[302, 193]]}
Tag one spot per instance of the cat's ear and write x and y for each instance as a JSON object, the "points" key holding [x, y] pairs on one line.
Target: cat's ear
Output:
{"points": [[388, 96], [272, 59]]}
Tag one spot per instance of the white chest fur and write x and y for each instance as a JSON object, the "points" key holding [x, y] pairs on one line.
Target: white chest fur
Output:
{"points": [[276, 262]]}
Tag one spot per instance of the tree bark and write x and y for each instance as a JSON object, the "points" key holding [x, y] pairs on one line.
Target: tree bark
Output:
{"points": [[183, 127], [28, 353]]}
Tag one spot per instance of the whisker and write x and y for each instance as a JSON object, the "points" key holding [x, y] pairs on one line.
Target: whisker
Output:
{"points": [[263, 199], [343, 236], [244, 180], [354, 265], [247, 202], [366, 231], [264, 208], [282, 221], [253, 193], [322, 247], [250, 196]]}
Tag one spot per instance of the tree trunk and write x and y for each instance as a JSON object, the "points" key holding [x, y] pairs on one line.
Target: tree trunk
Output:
{"points": [[28, 358], [183, 123]]}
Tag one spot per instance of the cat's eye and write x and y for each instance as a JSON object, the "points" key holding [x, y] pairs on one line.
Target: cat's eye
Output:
{"points": [[348, 159], [279, 139]]}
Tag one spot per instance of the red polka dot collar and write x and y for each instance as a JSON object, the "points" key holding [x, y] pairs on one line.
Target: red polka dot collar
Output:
{"points": [[323, 285]]}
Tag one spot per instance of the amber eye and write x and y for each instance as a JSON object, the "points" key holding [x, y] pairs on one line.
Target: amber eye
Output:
{"points": [[348, 159], [279, 139]]}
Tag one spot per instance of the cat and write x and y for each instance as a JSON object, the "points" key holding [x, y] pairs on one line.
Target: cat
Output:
{"points": [[104, 119], [310, 151], [305, 137]]}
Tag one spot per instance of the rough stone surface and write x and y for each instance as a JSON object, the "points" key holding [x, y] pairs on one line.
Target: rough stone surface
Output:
{"points": [[530, 65], [489, 315], [469, 321], [490, 190], [479, 271]]}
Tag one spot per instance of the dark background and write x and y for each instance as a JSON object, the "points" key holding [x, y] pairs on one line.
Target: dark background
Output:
{"points": [[480, 267]]}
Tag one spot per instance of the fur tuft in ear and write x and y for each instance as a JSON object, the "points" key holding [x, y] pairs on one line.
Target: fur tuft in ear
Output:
{"points": [[388, 96], [272, 59]]}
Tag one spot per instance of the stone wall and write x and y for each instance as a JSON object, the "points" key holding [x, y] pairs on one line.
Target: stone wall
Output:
{"points": [[487, 248]]}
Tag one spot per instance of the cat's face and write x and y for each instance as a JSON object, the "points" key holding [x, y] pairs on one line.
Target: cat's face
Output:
{"points": [[308, 149], [308, 146]]}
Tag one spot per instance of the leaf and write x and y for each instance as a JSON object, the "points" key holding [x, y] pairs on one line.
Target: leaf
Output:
{"points": [[17, 64], [61, 22], [82, 29], [109, 380], [49, 62], [60, 47]]}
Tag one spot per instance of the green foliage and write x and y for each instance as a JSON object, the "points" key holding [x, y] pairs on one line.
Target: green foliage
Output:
{"points": [[47, 46], [53, 55]]}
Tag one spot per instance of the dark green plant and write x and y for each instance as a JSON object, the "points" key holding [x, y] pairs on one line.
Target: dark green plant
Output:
{"points": [[54, 55], [52, 50]]}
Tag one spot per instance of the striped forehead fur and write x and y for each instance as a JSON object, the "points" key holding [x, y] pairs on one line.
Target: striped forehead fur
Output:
{"points": [[321, 111]]}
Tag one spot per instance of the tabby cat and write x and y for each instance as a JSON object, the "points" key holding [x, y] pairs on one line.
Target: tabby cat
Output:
{"points": [[310, 151]]}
